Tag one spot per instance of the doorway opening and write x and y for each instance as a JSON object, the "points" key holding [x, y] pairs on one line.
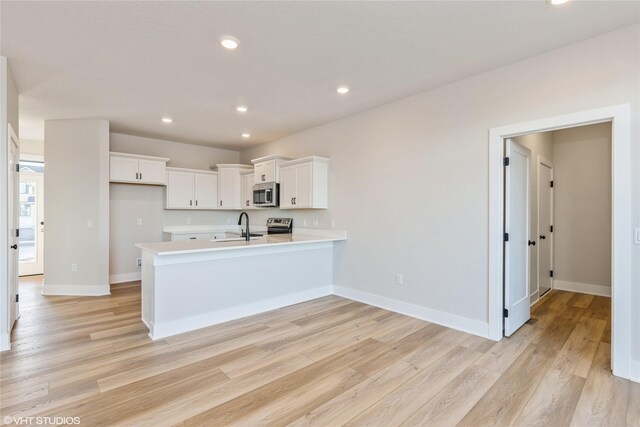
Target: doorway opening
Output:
{"points": [[31, 218], [561, 227], [620, 278]]}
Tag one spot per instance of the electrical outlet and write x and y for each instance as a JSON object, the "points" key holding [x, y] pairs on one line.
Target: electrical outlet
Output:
{"points": [[139, 262], [139, 221], [333, 223], [74, 267], [636, 236], [304, 222], [399, 279], [89, 223], [316, 223]]}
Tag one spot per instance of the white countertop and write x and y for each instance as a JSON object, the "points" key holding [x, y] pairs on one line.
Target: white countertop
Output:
{"points": [[198, 246]]}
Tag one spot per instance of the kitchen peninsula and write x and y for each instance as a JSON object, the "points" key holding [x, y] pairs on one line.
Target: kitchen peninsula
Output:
{"points": [[192, 284]]}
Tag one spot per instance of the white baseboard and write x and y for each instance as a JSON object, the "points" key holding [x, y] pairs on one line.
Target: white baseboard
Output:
{"points": [[76, 290], [125, 277], [583, 288], [453, 321], [5, 342], [162, 330]]}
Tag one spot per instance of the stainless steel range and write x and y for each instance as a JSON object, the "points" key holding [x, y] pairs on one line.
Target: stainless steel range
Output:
{"points": [[279, 225]]}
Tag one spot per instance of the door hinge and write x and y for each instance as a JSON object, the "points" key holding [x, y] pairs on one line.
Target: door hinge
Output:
{"points": [[551, 273], [551, 228], [506, 161], [551, 184], [17, 167], [17, 297], [505, 312], [506, 237]]}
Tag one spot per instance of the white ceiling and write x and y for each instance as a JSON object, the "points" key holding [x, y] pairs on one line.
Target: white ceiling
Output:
{"points": [[135, 62]]}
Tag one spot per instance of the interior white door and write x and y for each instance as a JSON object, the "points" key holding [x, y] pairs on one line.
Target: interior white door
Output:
{"points": [[31, 240], [545, 222], [13, 215], [517, 243]]}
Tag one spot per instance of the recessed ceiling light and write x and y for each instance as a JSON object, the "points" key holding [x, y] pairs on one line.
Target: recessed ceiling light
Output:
{"points": [[246, 135], [557, 2], [342, 89], [242, 108], [167, 120], [229, 42]]}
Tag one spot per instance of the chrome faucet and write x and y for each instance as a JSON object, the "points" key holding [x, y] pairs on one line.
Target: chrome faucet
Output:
{"points": [[247, 234]]}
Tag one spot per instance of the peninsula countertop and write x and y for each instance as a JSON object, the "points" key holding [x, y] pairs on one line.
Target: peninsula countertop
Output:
{"points": [[199, 246]]}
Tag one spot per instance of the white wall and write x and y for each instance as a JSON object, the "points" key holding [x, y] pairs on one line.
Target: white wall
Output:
{"points": [[77, 191], [410, 178], [8, 115], [540, 145], [29, 146], [582, 187], [129, 202]]}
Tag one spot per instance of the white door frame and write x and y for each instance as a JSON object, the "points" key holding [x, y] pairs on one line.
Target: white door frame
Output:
{"points": [[542, 161], [621, 227]]}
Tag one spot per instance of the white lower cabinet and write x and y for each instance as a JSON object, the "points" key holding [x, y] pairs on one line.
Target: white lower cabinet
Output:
{"points": [[195, 236], [191, 189], [304, 183]]}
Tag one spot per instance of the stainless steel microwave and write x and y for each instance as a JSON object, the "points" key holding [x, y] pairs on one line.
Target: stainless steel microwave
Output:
{"points": [[266, 195]]}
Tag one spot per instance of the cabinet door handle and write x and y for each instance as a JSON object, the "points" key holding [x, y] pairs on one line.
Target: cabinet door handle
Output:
{"points": [[220, 202], [196, 203], [140, 176], [190, 202], [263, 177], [14, 246], [137, 175], [247, 203]]}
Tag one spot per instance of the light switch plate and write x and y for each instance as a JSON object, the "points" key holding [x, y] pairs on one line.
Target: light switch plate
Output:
{"points": [[636, 236]]}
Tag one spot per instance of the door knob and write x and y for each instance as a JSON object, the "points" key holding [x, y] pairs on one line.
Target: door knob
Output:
{"points": [[14, 246], [543, 237], [532, 243]]}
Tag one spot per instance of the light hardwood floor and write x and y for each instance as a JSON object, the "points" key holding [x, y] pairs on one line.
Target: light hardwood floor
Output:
{"points": [[327, 362]]}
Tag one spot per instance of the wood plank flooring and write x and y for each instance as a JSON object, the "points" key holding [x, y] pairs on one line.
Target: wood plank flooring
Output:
{"points": [[327, 362]]}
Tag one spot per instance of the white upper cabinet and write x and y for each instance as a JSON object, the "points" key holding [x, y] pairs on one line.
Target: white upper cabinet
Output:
{"points": [[247, 180], [136, 169], [267, 169], [191, 189], [205, 191], [304, 183], [230, 185]]}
